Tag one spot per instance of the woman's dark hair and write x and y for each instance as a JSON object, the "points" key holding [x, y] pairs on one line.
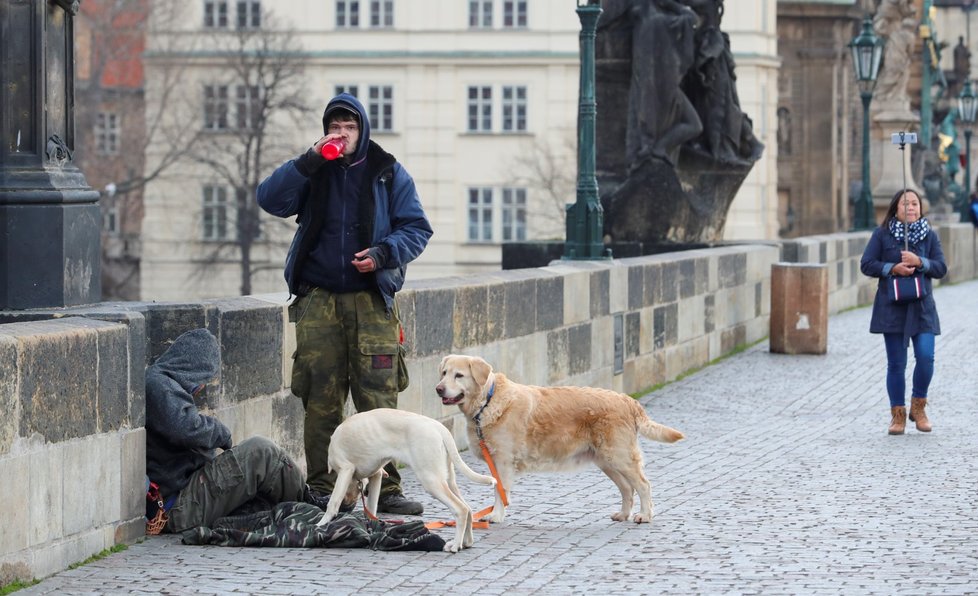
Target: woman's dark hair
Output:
{"points": [[895, 203]]}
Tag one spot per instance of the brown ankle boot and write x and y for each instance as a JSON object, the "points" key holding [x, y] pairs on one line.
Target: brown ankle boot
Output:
{"points": [[917, 414], [899, 423]]}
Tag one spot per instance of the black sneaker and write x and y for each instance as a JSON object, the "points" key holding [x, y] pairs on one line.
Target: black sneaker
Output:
{"points": [[321, 500], [396, 503]]}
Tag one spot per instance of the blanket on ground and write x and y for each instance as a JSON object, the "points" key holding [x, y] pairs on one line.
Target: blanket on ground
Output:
{"points": [[293, 524]]}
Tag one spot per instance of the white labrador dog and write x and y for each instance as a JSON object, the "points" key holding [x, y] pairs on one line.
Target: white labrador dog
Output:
{"points": [[364, 443]]}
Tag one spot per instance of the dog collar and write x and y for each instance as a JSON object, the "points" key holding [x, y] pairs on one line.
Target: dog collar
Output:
{"points": [[478, 415]]}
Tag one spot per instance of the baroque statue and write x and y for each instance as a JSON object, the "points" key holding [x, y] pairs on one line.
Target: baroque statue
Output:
{"points": [[896, 22], [673, 145]]}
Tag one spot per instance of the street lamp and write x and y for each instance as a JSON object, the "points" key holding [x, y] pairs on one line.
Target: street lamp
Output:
{"points": [[867, 51], [585, 218], [967, 105]]}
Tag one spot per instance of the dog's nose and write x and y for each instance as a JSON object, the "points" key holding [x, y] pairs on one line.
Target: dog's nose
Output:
{"points": [[440, 390]]}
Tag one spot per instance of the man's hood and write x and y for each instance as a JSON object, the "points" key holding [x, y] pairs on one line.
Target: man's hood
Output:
{"points": [[347, 101], [193, 359]]}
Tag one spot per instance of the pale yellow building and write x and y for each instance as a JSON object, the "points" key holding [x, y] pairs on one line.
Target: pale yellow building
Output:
{"points": [[471, 96]]}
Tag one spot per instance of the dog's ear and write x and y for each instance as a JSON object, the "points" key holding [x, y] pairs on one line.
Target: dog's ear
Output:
{"points": [[480, 370], [441, 367]]}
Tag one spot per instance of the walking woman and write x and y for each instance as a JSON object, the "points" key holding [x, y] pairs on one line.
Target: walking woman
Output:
{"points": [[904, 246]]}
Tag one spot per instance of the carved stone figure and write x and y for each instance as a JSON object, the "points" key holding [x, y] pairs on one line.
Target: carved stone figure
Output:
{"points": [[660, 116], [727, 132], [895, 21], [670, 172], [962, 61]]}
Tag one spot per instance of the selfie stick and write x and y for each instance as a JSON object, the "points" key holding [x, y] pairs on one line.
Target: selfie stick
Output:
{"points": [[903, 145]]}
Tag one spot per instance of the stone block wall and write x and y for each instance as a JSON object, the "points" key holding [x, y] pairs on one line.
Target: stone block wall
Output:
{"points": [[72, 442]]}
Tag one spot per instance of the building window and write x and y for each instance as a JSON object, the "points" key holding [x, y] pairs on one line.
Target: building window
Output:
{"points": [[347, 13], [249, 14], [380, 107], [215, 107], [110, 220], [381, 13], [480, 14], [247, 107], [351, 89], [514, 214], [480, 214], [512, 105], [215, 14], [248, 219], [480, 109], [489, 221], [107, 133], [514, 109], [215, 213], [514, 14]]}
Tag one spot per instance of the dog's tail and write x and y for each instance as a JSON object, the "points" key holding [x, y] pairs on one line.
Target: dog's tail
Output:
{"points": [[650, 429], [460, 463]]}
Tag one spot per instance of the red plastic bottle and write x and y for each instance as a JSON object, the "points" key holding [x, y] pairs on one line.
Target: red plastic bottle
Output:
{"points": [[333, 149]]}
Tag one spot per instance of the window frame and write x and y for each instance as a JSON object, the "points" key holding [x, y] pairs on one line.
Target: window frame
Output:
{"points": [[247, 107], [110, 220], [215, 214], [347, 14], [513, 214], [479, 109], [250, 11], [480, 14], [381, 14], [479, 215], [516, 17], [107, 133], [514, 108], [216, 14], [380, 109], [217, 108]]}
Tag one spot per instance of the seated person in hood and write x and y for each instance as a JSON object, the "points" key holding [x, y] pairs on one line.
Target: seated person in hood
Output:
{"points": [[192, 484]]}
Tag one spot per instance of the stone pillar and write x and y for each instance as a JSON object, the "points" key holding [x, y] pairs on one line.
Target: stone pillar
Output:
{"points": [[886, 123], [49, 216], [799, 308]]}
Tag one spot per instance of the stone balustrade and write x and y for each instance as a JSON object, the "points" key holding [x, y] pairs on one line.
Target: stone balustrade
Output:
{"points": [[72, 443]]}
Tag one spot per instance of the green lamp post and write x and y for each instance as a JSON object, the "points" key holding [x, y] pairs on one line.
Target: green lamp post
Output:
{"points": [[867, 52], [585, 218], [967, 106]]}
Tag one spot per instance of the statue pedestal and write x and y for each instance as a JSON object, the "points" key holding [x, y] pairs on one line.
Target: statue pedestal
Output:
{"points": [[892, 159]]}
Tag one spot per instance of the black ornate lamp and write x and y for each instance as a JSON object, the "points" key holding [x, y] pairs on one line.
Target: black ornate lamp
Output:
{"points": [[867, 53]]}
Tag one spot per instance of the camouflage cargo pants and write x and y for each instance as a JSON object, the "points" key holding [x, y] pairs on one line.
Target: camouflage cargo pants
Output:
{"points": [[256, 467], [345, 343]]}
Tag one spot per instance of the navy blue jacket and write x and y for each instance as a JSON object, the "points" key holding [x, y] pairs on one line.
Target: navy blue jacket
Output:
{"points": [[881, 254], [394, 221]]}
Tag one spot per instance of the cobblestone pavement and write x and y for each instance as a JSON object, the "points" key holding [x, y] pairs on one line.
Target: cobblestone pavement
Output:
{"points": [[787, 483]]}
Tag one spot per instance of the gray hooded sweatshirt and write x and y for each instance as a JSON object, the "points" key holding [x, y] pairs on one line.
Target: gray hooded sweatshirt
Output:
{"points": [[179, 439]]}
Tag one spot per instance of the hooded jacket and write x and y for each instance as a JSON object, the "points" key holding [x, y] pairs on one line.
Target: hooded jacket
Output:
{"points": [[179, 439], [392, 220], [881, 253]]}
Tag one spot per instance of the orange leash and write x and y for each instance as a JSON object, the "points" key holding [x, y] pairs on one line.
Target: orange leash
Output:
{"points": [[495, 474], [477, 521]]}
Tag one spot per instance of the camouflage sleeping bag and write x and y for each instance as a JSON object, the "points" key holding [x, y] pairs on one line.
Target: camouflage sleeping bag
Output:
{"points": [[293, 524]]}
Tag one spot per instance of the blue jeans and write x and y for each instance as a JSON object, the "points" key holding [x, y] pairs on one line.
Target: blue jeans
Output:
{"points": [[896, 366]]}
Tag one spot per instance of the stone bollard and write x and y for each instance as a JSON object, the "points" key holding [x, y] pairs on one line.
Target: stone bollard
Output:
{"points": [[799, 308]]}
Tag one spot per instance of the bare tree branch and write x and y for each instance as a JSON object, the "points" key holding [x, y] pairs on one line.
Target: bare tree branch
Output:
{"points": [[548, 169]]}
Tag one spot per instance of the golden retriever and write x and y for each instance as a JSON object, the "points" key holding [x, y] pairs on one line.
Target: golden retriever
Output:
{"points": [[545, 429]]}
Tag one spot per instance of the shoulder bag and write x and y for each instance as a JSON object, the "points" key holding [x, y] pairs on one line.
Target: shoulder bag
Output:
{"points": [[903, 289]]}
